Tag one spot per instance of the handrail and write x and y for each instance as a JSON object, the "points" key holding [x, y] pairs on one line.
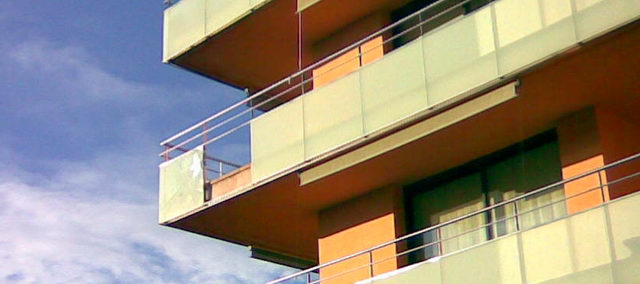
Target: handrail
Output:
{"points": [[438, 226], [297, 74], [211, 158]]}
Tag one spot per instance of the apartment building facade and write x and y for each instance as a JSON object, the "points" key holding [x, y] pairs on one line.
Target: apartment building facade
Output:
{"points": [[424, 141]]}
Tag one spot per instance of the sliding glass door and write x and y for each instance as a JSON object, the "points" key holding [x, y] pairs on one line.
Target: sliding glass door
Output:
{"points": [[485, 182]]}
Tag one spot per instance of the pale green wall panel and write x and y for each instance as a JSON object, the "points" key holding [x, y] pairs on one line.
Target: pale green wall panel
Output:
{"points": [[276, 140], [574, 250], [625, 234], [545, 252], [181, 185], [332, 115], [184, 25], [189, 22], [255, 3], [221, 13], [304, 4], [426, 272], [460, 56], [497, 262], [393, 87], [532, 30], [596, 16], [590, 245], [588, 248]]}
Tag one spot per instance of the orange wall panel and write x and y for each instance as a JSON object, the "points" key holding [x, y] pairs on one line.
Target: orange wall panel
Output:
{"points": [[590, 139], [351, 60], [233, 181], [585, 192], [372, 50], [357, 225], [580, 151], [336, 68]]}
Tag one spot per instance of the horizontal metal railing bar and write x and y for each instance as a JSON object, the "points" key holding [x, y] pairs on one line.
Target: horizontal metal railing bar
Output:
{"points": [[246, 111], [484, 210], [224, 134], [231, 164], [214, 170], [309, 68]]}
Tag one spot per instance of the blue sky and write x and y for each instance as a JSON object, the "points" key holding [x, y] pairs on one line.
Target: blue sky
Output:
{"points": [[84, 103]]}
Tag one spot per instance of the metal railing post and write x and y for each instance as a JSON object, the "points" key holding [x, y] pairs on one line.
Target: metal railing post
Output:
{"points": [[601, 186], [166, 154], [204, 150], [370, 264]]}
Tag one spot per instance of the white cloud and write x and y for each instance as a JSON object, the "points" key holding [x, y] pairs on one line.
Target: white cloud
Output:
{"points": [[91, 218], [53, 236]]}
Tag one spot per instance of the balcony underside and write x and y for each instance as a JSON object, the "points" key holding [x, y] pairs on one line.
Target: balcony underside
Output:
{"points": [[602, 73], [263, 46]]}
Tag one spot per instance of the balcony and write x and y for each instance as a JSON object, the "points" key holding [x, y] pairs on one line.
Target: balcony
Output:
{"points": [[439, 69], [539, 244], [334, 142], [189, 22]]}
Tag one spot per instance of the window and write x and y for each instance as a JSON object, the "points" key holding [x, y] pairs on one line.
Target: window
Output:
{"points": [[500, 176]]}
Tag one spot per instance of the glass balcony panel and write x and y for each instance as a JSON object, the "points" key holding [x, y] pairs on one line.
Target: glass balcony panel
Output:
{"points": [[501, 264], [571, 250], [223, 12], [189, 22], [542, 262], [257, 2], [532, 30], [589, 247], [460, 56], [593, 17], [393, 87], [184, 25], [625, 233], [277, 140], [181, 185], [414, 274], [304, 4], [332, 115]]}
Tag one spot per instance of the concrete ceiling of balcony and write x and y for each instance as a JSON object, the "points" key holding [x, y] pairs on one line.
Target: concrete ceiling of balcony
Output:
{"points": [[262, 48], [282, 215]]}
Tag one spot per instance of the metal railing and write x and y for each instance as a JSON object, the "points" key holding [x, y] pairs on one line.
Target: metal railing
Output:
{"points": [[221, 168], [307, 275], [297, 84]]}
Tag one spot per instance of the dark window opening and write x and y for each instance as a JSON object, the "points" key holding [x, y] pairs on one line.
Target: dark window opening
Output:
{"points": [[489, 180], [436, 16]]}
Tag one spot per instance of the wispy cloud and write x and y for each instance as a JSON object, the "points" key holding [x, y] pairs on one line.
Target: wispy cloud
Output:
{"points": [[54, 237], [79, 197]]}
